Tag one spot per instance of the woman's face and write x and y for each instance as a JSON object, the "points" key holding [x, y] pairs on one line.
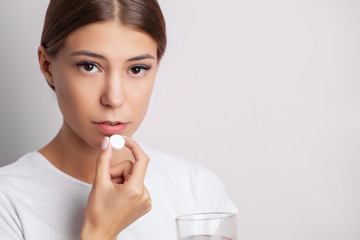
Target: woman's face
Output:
{"points": [[103, 77]]}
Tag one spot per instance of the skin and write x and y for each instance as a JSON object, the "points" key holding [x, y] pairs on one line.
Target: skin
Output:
{"points": [[95, 89]]}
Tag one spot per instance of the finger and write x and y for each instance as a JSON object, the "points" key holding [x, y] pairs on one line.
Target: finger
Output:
{"points": [[149, 204], [102, 173], [118, 180], [122, 169], [139, 168]]}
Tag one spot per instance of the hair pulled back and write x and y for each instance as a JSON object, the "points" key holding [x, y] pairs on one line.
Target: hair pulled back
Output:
{"points": [[65, 16]]}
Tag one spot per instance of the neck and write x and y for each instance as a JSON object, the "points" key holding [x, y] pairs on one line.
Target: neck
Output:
{"points": [[73, 156]]}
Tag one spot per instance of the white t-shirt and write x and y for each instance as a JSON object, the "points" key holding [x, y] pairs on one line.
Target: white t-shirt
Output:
{"points": [[40, 202]]}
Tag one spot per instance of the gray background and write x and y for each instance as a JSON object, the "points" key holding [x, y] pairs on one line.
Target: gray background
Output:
{"points": [[263, 93]]}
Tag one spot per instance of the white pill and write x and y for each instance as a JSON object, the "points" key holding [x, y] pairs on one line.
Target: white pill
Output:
{"points": [[117, 141]]}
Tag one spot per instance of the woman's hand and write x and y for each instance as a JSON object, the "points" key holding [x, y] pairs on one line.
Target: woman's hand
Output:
{"points": [[118, 196]]}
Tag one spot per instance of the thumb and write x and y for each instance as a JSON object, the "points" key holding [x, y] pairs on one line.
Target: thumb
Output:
{"points": [[102, 173]]}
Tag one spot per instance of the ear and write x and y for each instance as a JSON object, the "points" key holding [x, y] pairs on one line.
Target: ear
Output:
{"points": [[45, 66]]}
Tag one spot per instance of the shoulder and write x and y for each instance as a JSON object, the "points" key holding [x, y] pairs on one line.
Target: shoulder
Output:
{"points": [[181, 168], [22, 164], [192, 180], [19, 171], [14, 180]]}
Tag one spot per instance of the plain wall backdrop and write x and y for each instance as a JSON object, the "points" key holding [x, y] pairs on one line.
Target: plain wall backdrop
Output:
{"points": [[263, 93]]}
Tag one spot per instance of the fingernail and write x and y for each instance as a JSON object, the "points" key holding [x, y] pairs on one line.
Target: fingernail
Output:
{"points": [[105, 143]]}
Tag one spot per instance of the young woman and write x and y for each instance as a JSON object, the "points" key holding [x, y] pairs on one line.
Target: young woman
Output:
{"points": [[101, 57]]}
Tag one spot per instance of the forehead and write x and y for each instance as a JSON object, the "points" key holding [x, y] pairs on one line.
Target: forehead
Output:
{"points": [[111, 39]]}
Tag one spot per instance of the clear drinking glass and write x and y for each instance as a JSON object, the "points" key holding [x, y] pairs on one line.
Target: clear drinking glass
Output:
{"points": [[207, 226]]}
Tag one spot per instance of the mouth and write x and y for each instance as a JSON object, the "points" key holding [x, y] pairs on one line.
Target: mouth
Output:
{"points": [[109, 127], [111, 124]]}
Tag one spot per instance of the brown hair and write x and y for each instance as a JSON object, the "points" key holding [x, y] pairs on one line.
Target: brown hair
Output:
{"points": [[65, 16]]}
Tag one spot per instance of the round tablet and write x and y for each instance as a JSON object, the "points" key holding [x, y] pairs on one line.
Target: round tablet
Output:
{"points": [[117, 141]]}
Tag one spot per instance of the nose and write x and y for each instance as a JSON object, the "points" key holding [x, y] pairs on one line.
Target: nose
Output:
{"points": [[113, 94]]}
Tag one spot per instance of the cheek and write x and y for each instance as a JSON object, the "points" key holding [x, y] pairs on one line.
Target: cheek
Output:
{"points": [[73, 95], [139, 98]]}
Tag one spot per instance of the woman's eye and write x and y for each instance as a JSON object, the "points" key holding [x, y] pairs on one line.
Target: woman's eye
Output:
{"points": [[89, 67], [138, 70]]}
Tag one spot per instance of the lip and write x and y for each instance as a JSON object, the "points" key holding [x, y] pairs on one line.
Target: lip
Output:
{"points": [[107, 129]]}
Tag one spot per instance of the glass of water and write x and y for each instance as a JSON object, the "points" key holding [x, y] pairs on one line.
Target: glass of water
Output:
{"points": [[207, 226]]}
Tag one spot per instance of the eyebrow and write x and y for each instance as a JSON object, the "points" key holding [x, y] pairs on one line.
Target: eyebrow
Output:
{"points": [[95, 55], [145, 56]]}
